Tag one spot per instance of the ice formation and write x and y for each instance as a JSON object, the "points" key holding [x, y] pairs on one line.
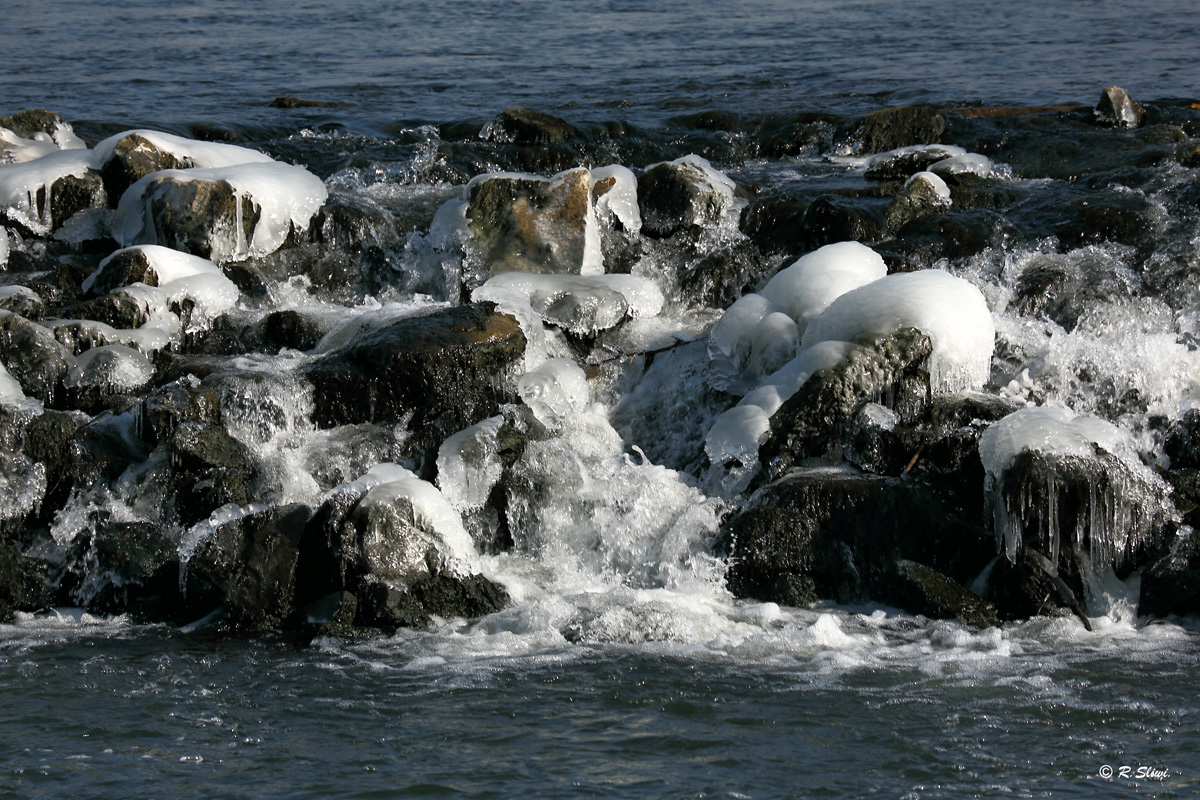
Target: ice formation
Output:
{"points": [[15, 149], [935, 182], [804, 289], [582, 304], [950, 310], [621, 198], [25, 186], [964, 164], [468, 464], [286, 196], [110, 368], [554, 391], [1115, 516], [194, 152]]}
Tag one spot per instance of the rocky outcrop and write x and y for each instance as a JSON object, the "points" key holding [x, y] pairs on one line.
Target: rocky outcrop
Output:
{"points": [[33, 357], [891, 128], [681, 195]]}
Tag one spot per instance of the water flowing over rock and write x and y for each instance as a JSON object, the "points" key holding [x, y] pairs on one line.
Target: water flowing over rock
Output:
{"points": [[1117, 108]]}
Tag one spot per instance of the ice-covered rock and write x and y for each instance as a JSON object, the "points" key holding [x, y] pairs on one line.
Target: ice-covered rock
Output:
{"points": [[807, 287], [1054, 477], [34, 133], [581, 304], [903, 162], [967, 164], [39, 195], [685, 193], [950, 310], [922, 194], [111, 368], [125, 158], [33, 357], [1117, 108], [223, 213]]}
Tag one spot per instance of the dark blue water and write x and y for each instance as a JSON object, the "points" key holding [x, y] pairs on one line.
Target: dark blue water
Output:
{"points": [[720, 699], [222, 61]]}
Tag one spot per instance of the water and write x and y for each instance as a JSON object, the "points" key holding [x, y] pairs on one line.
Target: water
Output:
{"points": [[621, 668]]}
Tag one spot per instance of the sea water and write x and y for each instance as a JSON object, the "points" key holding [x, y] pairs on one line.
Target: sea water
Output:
{"points": [[622, 668]]}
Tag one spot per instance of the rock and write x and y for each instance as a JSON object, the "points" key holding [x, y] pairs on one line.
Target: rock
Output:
{"points": [[448, 370], [1118, 109], [31, 121], [182, 401], [809, 423], [126, 567], [1126, 218], [775, 224], [251, 562], [1064, 288], [892, 128], [725, 274], [1171, 585], [829, 220], [122, 309], [924, 194], [71, 194], [126, 266], [919, 589], [1182, 441], [683, 194], [530, 224], [34, 358], [51, 440], [22, 301], [525, 126], [24, 582], [197, 216], [287, 101], [900, 164], [210, 469], [289, 329], [835, 534]]}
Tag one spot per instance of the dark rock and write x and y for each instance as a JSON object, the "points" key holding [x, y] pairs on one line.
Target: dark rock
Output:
{"points": [[951, 235], [251, 561], [1118, 109], [121, 309], [775, 224], [898, 166], [34, 358], [805, 134], [919, 589], [123, 268], [193, 216], [529, 224], [1125, 218], [1182, 442], [127, 567], [24, 582], [525, 126], [287, 101], [182, 401], [678, 195], [724, 275], [133, 158], [834, 534], [210, 469], [829, 220], [810, 423], [71, 194], [289, 329], [35, 120], [892, 128], [23, 302], [447, 370], [1171, 585], [917, 200], [1064, 288], [51, 439]]}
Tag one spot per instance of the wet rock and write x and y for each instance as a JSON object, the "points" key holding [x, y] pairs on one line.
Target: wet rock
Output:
{"points": [[123, 268], [829, 220], [892, 128], [126, 567], [133, 158], [530, 224], [121, 309], [1171, 585], [441, 373], [804, 134], [1125, 218], [210, 469], [724, 275], [251, 562], [924, 194], [196, 216], [525, 126], [289, 329], [1118, 109], [810, 423], [24, 582], [35, 120], [33, 357], [71, 194], [181, 401], [679, 195], [287, 101], [21, 301], [52, 440], [836, 534], [1182, 441], [775, 223], [1064, 288], [899, 165], [919, 589], [948, 235]]}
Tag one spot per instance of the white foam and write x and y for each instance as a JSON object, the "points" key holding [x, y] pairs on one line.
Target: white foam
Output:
{"points": [[950, 310]]}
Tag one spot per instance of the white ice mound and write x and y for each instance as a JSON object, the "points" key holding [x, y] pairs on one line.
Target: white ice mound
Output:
{"points": [[1053, 431], [390, 483], [25, 186], [950, 310], [804, 289], [555, 391], [752, 338], [111, 368], [286, 196], [469, 464], [191, 151], [965, 164], [925, 152]]}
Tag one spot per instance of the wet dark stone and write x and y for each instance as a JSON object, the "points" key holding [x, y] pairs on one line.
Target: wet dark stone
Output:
{"points": [[52, 440], [29, 306], [835, 534], [890, 128], [70, 194], [950, 235], [675, 197], [120, 309], [1118, 109], [919, 589], [1182, 441], [133, 158], [525, 126], [1065, 288], [34, 120], [129, 567], [724, 275], [287, 101], [448, 370], [25, 584], [34, 358], [775, 224], [1024, 589], [251, 562], [1122, 218], [209, 469], [173, 404], [803, 134], [916, 202], [810, 423], [1171, 585], [289, 329], [123, 268]]}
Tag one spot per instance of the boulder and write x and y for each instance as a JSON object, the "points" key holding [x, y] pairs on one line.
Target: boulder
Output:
{"points": [[34, 358], [210, 469], [725, 274], [524, 223], [892, 128], [682, 195], [1171, 585], [923, 194], [24, 582], [251, 562], [198, 217], [439, 373], [525, 126]]}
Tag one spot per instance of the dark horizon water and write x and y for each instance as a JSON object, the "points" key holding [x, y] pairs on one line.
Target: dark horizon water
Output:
{"points": [[220, 61]]}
